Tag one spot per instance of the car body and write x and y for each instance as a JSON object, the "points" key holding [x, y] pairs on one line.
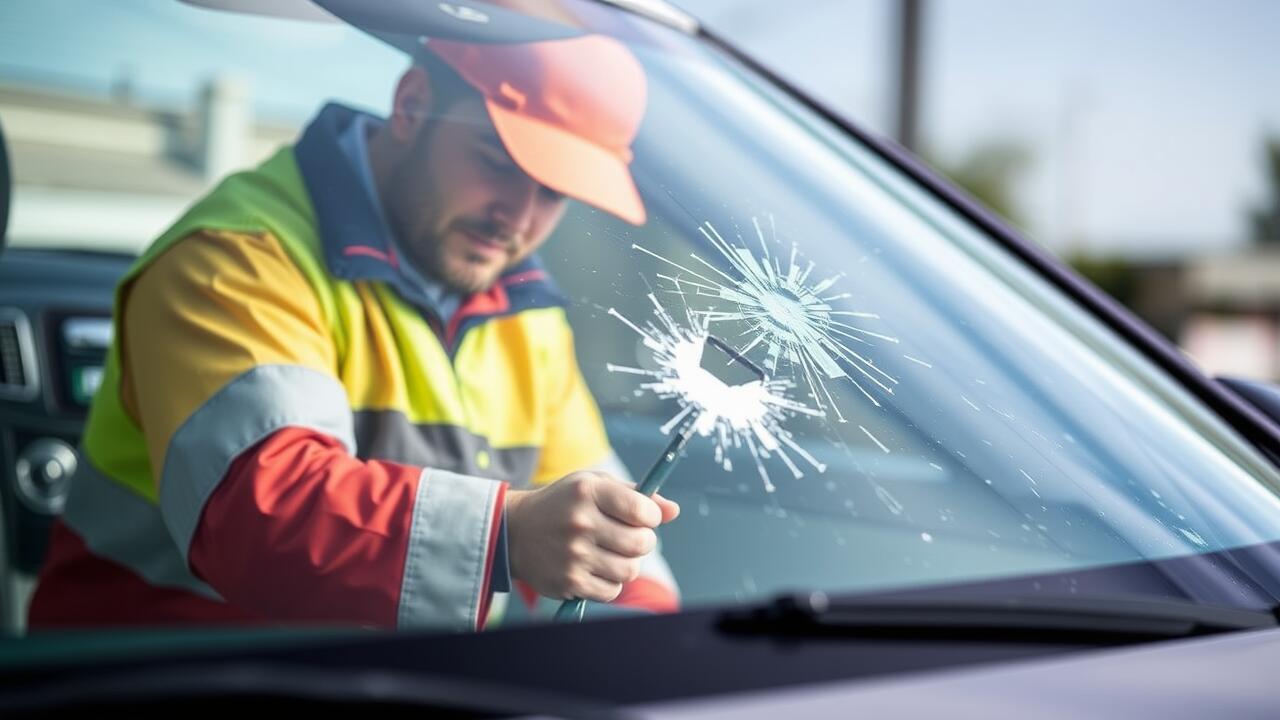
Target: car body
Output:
{"points": [[1030, 501]]}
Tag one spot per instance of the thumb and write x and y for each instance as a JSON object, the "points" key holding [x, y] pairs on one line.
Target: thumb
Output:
{"points": [[670, 508]]}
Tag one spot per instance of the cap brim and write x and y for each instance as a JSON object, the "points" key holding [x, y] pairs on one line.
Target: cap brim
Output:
{"points": [[568, 164]]}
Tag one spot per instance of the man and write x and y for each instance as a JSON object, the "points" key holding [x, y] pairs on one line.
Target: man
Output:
{"points": [[329, 373]]}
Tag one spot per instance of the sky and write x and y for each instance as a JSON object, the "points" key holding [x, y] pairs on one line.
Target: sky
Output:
{"points": [[1144, 119], [166, 48]]}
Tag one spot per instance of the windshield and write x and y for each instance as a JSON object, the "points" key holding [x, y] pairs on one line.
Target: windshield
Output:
{"points": [[866, 392]]}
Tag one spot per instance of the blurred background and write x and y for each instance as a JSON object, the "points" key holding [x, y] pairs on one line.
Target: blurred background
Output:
{"points": [[1140, 140]]}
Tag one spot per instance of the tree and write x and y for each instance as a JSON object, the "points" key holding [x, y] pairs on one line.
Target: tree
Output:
{"points": [[988, 172], [1115, 275], [1265, 218]]}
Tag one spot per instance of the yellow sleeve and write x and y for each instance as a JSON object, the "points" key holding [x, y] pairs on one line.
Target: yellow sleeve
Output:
{"points": [[209, 309], [576, 436]]}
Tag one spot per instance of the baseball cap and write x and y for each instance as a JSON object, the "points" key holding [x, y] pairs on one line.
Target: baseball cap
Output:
{"points": [[566, 109]]}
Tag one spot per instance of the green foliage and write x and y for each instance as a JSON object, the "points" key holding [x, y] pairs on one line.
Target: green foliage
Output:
{"points": [[988, 172], [1115, 275], [1265, 218]]}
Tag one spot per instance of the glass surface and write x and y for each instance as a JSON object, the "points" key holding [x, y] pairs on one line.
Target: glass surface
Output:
{"points": [[978, 424], [879, 396]]}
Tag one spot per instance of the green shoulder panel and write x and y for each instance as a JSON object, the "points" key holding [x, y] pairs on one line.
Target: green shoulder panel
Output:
{"points": [[271, 198]]}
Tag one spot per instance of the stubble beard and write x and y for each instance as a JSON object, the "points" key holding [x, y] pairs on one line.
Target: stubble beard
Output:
{"points": [[464, 280], [426, 250]]}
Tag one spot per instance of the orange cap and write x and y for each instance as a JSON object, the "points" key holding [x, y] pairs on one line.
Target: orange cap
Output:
{"points": [[566, 110]]}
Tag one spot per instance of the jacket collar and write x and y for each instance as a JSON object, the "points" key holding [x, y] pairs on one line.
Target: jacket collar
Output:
{"points": [[357, 242]]}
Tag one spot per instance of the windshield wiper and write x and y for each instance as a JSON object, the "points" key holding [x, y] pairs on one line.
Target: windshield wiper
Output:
{"points": [[1014, 619]]}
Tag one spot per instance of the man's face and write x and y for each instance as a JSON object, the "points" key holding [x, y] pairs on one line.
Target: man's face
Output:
{"points": [[463, 210]]}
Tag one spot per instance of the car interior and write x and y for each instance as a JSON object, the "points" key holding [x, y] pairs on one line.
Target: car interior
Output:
{"points": [[55, 310]]}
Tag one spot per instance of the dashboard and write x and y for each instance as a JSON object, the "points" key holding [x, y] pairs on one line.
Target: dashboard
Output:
{"points": [[55, 327]]}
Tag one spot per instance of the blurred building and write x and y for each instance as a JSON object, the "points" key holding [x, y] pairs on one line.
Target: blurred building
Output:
{"points": [[1233, 327], [1223, 310], [109, 172]]}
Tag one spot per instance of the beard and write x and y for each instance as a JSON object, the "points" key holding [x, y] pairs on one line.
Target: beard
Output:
{"points": [[440, 256]]}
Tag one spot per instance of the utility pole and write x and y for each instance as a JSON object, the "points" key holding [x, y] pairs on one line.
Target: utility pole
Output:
{"points": [[908, 99], [1076, 100]]}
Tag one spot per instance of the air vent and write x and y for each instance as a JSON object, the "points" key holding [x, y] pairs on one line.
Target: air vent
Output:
{"points": [[18, 374]]}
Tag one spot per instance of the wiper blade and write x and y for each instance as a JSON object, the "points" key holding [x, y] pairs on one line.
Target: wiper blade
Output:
{"points": [[1090, 620]]}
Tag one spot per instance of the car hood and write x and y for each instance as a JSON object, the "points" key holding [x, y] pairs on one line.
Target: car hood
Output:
{"points": [[1223, 676]]}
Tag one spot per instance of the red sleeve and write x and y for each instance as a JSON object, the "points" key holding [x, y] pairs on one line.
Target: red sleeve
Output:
{"points": [[648, 594], [642, 594], [300, 531]]}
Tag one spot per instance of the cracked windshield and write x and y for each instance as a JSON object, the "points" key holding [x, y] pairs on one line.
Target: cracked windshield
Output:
{"points": [[401, 321]]}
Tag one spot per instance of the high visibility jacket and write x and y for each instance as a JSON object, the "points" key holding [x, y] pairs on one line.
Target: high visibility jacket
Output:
{"points": [[281, 437]]}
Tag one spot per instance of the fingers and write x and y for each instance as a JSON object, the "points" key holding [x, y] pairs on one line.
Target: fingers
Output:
{"points": [[670, 508], [613, 568], [595, 588], [583, 536], [631, 511], [620, 502], [599, 574], [624, 540]]}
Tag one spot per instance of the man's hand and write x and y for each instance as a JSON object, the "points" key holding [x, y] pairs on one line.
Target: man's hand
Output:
{"points": [[582, 536]]}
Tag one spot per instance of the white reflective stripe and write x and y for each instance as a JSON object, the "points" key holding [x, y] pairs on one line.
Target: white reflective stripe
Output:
{"points": [[444, 569], [240, 415], [120, 525]]}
